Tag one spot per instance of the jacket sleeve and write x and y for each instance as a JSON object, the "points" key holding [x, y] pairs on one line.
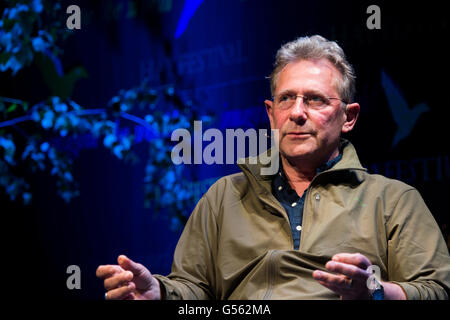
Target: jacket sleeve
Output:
{"points": [[418, 258], [192, 275]]}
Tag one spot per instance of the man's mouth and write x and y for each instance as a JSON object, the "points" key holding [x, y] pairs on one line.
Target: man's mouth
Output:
{"points": [[295, 134]]}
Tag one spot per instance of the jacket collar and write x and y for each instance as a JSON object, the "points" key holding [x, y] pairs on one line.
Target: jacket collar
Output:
{"points": [[349, 162]]}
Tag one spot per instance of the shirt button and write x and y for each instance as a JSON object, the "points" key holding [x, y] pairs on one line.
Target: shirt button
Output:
{"points": [[317, 196], [293, 204], [299, 228], [280, 188]]}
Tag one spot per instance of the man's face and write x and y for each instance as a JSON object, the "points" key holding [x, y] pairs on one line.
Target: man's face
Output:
{"points": [[308, 133]]}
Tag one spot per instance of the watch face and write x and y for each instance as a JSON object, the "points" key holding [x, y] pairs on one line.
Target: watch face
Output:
{"points": [[378, 294]]}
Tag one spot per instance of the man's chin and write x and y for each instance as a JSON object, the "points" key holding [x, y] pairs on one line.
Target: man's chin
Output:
{"points": [[297, 151], [298, 155]]}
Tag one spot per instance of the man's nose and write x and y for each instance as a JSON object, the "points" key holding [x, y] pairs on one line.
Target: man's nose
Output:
{"points": [[298, 110]]}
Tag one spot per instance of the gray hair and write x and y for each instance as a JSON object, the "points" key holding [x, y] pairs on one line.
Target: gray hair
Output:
{"points": [[312, 48]]}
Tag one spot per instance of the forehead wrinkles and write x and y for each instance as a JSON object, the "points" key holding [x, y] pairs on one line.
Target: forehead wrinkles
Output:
{"points": [[311, 69]]}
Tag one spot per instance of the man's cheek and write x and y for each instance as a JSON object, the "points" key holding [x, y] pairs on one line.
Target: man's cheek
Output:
{"points": [[279, 122]]}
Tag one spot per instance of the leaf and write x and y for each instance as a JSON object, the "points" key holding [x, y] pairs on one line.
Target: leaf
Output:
{"points": [[11, 108], [4, 57], [8, 23], [60, 84]]}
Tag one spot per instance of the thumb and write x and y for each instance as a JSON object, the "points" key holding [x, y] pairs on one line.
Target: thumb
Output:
{"points": [[142, 277], [127, 264]]}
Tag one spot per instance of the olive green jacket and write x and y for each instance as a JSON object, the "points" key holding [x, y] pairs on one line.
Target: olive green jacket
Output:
{"points": [[238, 244]]}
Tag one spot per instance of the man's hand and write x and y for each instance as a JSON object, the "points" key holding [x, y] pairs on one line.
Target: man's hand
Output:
{"points": [[350, 280], [128, 281]]}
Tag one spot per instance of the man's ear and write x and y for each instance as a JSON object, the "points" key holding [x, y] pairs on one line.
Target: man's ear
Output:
{"points": [[351, 115], [269, 110]]}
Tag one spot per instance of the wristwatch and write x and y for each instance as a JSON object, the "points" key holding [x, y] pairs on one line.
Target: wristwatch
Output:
{"points": [[376, 291]]}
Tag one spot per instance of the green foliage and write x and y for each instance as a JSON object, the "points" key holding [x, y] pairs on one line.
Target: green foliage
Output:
{"points": [[26, 39], [26, 28]]}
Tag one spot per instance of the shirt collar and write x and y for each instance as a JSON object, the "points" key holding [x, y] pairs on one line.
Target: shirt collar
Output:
{"points": [[328, 165], [280, 185]]}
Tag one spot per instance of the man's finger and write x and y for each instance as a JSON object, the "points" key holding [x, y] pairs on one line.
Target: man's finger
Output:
{"points": [[119, 293], [126, 263], [332, 287], [107, 271], [332, 279], [348, 270], [356, 259], [338, 283], [131, 296], [118, 280]]}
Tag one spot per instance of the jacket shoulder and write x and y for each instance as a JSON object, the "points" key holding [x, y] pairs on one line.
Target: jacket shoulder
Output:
{"points": [[236, 183], [388, 184], [392, 193], [226, 191]]}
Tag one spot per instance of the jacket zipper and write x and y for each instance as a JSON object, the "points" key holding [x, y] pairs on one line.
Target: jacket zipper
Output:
{"points": [[304, 219], [272, 272], [274, 206], [305, 212]]}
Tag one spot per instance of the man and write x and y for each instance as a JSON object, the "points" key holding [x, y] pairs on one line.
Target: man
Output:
{"points": [[315, 229]]}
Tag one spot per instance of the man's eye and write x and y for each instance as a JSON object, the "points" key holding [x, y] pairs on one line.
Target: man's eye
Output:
{"points": [[284, 97], [316, 99]]}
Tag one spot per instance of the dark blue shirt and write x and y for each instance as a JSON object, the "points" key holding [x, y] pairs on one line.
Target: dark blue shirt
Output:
{"points": [[291, 201]]}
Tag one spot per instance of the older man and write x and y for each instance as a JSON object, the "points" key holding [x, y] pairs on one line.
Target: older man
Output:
{"points": [[313, 230]]}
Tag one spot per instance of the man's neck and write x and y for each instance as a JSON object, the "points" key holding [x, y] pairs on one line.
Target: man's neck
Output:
{"points": [[300, 173]]}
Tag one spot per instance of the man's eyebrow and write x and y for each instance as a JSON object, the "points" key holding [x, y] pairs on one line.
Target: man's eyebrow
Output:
{"points": [[287, 91], [306, 92], [315, 92]]}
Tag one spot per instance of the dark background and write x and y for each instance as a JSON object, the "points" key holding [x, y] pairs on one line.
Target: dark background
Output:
{"points": [[221, 60]]}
